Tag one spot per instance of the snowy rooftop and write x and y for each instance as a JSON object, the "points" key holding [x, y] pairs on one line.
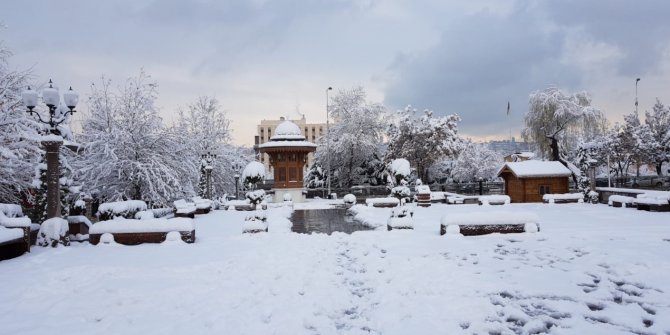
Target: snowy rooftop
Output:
{"points": [[532, 168], [287, 130], [276, 144]]}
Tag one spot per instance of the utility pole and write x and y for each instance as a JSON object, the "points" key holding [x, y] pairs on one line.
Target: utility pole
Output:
{"points": [[328, 139]]}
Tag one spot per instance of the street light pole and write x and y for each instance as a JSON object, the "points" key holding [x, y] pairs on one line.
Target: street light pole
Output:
{"points": [[209, 159], [328, 139], [636, 81], [52, 143]]}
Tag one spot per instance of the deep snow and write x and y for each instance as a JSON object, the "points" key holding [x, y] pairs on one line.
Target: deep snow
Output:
{"points": [[592, 269]]}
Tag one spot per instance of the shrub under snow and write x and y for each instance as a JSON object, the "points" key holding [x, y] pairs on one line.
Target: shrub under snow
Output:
{"points": [[53, 232], [126, 209], [349, 199]]}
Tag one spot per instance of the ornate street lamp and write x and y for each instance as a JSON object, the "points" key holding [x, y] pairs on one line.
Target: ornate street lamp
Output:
{"points": [[51, 143], [208, 160], [237, 167]]}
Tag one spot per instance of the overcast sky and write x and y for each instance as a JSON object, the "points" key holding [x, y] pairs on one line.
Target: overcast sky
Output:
{"points": [[265, 59]]}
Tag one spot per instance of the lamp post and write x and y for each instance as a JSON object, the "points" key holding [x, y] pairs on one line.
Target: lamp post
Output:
{"points": [[481, 186], [208, 159], [636, 81], [52, 143], [328, 139], [237, 167]]}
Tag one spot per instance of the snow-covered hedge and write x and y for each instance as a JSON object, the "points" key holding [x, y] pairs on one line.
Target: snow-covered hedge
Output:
{"points": [[401, 192], [400, 220], [255, 223], [145, 215], [489, 218], [121, 225], [184, 207], [201, 203], [162, 212], [253, 173], [624, 200], [382, 201], [126, 209], [53, 232], [255, 197], [551, 198]]}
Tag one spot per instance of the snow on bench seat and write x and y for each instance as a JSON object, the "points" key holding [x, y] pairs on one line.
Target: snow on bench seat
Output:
{"points": [[382, 202], [620, 201], [487, 222], [563, 198], [653, 204], [132, 232], [203, 206], [494, 200], [14, 242], [184, 208]]}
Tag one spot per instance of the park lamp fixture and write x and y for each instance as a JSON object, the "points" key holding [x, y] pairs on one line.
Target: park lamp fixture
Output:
{"points": [[51, 98]]}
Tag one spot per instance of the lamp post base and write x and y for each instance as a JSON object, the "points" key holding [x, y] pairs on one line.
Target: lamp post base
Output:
{"points": [[53, 177]]}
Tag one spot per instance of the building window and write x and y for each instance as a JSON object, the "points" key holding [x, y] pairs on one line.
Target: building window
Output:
{"points": [[545, 189], [292, 174], [281, 174]]}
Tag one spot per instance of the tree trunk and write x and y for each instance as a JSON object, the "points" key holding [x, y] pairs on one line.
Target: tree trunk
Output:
{"points": [[555, 154]]}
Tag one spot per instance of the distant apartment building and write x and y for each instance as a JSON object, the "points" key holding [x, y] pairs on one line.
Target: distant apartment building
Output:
{"points": [[264, 131], [507, 147]]}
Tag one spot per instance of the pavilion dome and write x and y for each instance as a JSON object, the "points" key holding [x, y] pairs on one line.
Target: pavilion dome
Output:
{"points": [[287, 130]]}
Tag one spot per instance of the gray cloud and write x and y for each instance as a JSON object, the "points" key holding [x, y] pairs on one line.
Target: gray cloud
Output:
{"points": [[486, 59]]}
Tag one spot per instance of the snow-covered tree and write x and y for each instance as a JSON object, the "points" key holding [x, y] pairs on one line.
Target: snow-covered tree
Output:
{"points": [[476, 161], [20, 149], [127, 151], [423, 140], [558, 122], [253, 174], [355, 135], [658, 122]]}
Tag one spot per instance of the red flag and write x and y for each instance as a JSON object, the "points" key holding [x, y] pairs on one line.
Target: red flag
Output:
{"points": [[508, 108]]}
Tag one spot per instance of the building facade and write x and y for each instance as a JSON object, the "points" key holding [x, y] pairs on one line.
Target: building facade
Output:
{"points": [[264, 131]]}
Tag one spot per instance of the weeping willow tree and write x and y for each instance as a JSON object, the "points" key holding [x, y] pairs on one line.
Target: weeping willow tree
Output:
{"points": [[559, 122]]}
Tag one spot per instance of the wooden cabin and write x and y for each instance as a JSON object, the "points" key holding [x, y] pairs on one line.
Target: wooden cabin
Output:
{"points": [[528, 181]]}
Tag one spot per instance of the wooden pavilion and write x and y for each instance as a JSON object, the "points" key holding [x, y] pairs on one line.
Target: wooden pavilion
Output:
{"points": [[288, 151], [528, 181]]}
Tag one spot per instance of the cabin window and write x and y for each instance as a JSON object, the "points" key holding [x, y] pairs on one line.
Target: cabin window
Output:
{"points": [[545, 189]]}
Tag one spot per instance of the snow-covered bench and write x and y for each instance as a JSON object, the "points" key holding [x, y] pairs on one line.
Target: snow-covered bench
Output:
{"points": [[132, 232], [184, 209], [487, 222], [240, 205], [382, 202], [494, 200], [14, 242], [621, 201], [11, 216], [202, 206], [563, 198], [652, 204], [438, 197]]}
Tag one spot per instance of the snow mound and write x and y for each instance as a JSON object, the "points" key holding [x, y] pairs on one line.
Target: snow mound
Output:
{"points": [[52, 232], [349, 199], [125, 209], [107, 238], [8, 234], [145, 215], [13, 222], [121, 225], [423, 189]]}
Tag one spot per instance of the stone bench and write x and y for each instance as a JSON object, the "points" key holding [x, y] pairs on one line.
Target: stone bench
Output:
{"points": [[488, 222], [563, 198], [382, 202], [619, 201], [133, 232], [184, 209], [14, 242], [652, 204], [495, 200]]}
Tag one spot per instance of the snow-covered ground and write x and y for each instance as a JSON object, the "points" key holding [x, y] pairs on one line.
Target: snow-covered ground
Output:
{"points": [[592, 269]]}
